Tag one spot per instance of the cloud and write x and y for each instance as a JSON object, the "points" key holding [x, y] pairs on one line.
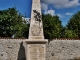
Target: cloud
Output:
{"points": [[46, 11], [60, 15], [62, 3], [51, 12], [65, 15], [44, 6], [68, 13]]}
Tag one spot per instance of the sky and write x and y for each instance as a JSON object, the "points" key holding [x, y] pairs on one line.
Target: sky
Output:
{"points": [[63, 8]]}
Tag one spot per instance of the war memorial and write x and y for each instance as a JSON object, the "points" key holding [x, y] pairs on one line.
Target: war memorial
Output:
{"points": [[36, 47]]}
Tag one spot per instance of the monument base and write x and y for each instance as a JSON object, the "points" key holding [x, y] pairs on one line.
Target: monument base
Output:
{"points": [[36, 49], [36, 37]]}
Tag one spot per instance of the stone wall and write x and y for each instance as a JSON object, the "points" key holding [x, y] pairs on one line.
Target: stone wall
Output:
{"points": [[63, 50], [14, 49]]}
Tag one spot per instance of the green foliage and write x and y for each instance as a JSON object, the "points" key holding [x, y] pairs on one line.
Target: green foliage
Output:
{"points": [[52, 26], [74, 24], [70, 34], [11, 23]]}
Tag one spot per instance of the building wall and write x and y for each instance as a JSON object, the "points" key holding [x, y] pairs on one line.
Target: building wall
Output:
{"points": [[14, 49]]}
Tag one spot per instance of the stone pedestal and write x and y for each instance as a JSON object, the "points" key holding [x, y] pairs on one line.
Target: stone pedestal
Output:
{"points": [[36, 49]]}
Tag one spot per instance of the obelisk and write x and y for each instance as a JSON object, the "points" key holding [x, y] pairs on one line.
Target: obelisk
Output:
{"points": [[36, 27], [36, 44]]}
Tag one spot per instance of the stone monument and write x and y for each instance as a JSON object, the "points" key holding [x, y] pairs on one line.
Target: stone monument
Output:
{"points": [[36, 44]]}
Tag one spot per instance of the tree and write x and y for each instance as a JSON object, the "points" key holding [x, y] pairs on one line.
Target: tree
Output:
{"points": [[74, 24], [52, 26], [11, 23], [69, 34]]}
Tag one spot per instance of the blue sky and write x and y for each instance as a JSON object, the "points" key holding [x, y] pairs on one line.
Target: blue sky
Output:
{"points": [[63, 8]]}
